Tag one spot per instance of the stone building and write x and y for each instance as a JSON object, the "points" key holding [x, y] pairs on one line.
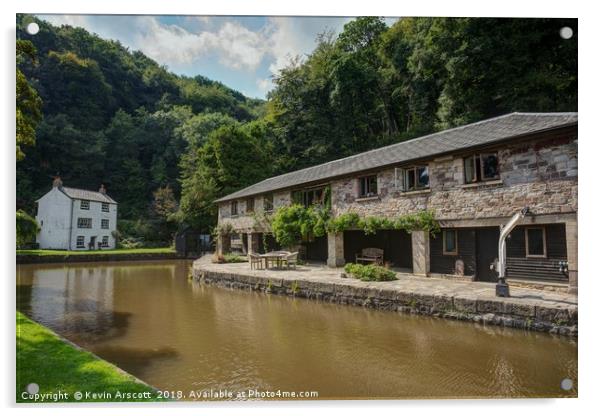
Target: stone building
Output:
{"points": [[76, 219], [474, 178]]}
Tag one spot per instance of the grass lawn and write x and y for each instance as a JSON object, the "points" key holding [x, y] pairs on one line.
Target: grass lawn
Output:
{"points": [[94, 252], [45, 359]]}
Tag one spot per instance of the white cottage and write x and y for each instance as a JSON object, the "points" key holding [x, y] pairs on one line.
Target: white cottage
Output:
{"points": [[76, 219]]}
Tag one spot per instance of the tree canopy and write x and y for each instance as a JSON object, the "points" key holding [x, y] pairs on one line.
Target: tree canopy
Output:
{"points": [[167, 146]]}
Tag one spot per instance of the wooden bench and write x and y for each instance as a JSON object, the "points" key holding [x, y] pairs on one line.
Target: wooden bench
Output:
{"points": [[371, 255]]}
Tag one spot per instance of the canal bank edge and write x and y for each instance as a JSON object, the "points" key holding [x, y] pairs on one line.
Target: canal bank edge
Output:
{"points": [[76, 349], [501, 312], [96, 257]]}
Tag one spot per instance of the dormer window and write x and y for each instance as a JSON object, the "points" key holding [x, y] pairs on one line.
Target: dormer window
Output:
{"points": [[481, 167], [368, 186], [84, 204]]}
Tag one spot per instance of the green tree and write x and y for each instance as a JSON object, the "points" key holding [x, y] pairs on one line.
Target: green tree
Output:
{"points": [[27, 228], [29, 103]]}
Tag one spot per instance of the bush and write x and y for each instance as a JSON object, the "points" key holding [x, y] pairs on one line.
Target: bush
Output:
{"points": [[370, 272], [27, 229]]}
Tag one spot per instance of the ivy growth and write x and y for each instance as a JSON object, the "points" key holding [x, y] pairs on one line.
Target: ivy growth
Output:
{"points": [[295, 223]]}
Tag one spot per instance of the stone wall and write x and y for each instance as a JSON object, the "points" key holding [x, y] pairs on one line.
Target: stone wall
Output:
{"points": [[541, 174], [248, 222], [502, 312]]}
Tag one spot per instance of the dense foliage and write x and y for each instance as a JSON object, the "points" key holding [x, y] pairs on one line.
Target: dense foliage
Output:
{"points": [[115, 116], [27, 228], [369, 272], [294, 224]]}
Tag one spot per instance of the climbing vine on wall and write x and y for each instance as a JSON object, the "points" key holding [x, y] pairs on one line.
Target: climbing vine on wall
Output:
{"points": [[295, 223]]}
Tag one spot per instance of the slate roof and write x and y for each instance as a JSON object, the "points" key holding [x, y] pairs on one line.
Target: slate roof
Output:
{"points": [[484, 132], [75, 193]]}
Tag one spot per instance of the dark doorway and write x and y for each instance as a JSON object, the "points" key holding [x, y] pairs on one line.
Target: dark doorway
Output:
{"points": [[486, 248], [397, 246], [316, 250]]}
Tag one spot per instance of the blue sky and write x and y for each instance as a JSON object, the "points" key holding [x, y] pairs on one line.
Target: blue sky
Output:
{"points": [[243, 52]]}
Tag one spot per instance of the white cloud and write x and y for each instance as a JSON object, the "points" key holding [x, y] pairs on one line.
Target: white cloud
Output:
{"points": [[264, 85]]}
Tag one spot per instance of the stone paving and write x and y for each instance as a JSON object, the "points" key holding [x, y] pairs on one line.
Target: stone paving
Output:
{"points": [[429, 286]]}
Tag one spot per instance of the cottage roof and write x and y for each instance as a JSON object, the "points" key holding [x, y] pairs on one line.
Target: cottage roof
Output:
{"points": [[484, 132], [75, 193]]}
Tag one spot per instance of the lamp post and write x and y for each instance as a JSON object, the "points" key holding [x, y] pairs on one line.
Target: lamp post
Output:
{"points": [[501, 288]]}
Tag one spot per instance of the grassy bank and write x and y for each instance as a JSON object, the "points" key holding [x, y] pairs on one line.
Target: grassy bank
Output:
{"points": [[41, 253], [55, 365]]}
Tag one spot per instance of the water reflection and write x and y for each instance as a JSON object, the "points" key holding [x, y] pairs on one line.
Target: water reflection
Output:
{"points": [[149, 319]]}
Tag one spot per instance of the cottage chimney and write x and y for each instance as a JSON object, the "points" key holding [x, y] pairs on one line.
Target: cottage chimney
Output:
{"points": [[57, 182], [102, 189]]}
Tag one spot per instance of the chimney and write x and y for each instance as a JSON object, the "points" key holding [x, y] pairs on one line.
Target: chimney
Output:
{"points": [[57, 182], [102, 189]]}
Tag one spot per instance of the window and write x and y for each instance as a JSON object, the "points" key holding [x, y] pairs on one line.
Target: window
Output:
{"points": [[250, 205], [85, 205], [234, 208], [535, 241], [268, 202], [415, 178], [310, 197], [450, 242], [84, 223], [79, 242], [105, 207], [105, 241], [104, 224], [368, 186], [481, 167]]}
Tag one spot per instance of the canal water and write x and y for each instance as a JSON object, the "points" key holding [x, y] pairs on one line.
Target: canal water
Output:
{"points": [[178, 335]]}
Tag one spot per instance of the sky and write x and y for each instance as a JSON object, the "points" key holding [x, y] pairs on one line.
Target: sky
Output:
{"points": [[243, 52]]}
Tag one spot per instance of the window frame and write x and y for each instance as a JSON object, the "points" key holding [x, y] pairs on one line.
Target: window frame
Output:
{"points": [[405, 182], [80, 221], [105, 204], [444, 237], [479, 171], [103, 221], [268, 202], [252, 200], [545, 245], [308, 197], [83, 241], [84, 205], [234, 208], [363, 183], [104, 242]]}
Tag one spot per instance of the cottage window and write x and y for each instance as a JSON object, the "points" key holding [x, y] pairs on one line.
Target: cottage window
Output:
{"points": [[105, 207], [105, 241], [415, 178], [234, 208], [79, 242], [84, 223], [268, 202], [250, 205], [310, 197], [368, 186], [104, 224], [450, 242], [85, 205], [535, 241], [481, 167]]}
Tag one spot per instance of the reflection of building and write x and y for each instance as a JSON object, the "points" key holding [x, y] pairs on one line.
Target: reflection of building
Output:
{"points": [[473, 178], [76, 219]]}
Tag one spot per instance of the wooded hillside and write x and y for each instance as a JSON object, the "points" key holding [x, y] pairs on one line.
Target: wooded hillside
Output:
{"points": [[166, 146]]}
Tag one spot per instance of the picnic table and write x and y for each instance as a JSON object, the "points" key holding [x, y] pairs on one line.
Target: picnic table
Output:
{"points": [[275, 257]]}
